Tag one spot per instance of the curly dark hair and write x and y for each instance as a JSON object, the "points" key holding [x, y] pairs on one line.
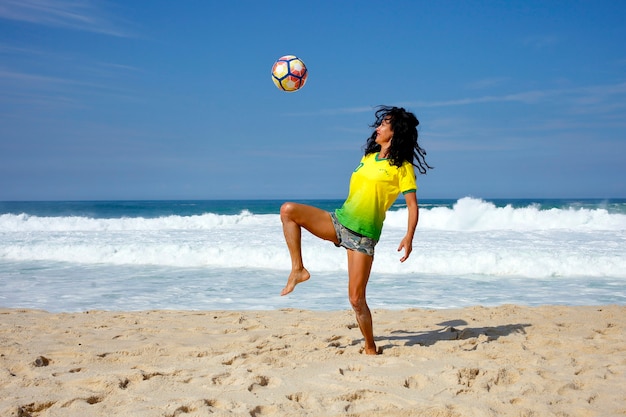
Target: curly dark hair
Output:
{"points": [[404, 145]]}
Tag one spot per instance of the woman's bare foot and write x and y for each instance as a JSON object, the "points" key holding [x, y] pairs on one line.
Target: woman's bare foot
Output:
{"points": [[372, 351], [295, 278]]}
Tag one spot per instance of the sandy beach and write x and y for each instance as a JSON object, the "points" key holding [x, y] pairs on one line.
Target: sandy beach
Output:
{"points": [[502, 361]]}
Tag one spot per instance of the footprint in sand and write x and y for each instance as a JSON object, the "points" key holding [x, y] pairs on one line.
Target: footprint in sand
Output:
{"points": [[261, 381]]}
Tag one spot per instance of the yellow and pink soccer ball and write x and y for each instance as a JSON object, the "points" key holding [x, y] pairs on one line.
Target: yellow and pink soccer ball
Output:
{"points": [[289, 73]]}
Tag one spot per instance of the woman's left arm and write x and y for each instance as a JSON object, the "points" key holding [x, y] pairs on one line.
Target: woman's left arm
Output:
{"points": [[407, 241]]}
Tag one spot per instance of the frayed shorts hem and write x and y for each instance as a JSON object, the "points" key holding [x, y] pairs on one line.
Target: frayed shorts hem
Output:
{"points": [[352, 240]]}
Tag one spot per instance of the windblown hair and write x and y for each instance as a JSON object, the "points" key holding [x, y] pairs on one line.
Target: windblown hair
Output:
{"points": [[404, 145]]}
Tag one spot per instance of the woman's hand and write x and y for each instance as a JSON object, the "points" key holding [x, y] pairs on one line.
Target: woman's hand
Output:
{"points": [[407, 245]]}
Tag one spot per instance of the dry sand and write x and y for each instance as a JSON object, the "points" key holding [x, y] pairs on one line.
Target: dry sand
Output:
{"points": [[503, 361]]}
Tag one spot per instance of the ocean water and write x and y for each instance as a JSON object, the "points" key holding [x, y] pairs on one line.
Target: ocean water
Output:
{"points": [[213, 255]]}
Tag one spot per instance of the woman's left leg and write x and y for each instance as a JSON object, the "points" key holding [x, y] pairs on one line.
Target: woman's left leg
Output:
{"points": [[359, 267]]}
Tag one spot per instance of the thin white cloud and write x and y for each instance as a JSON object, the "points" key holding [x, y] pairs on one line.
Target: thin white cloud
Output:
{"points": [[541, 41], [14, 76], [83, 15], [31, 80], [7, 49], [487, 83], [605, 90], [120, 67], [31, 90], [572, 96], [597, 93], [524, 97]]}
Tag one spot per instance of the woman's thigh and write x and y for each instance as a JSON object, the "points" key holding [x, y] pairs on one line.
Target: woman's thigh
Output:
{"points": [[313, 219]]}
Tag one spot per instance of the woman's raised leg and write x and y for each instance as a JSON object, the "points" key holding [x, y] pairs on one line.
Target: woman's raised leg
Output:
{"points": [[294, 217]]}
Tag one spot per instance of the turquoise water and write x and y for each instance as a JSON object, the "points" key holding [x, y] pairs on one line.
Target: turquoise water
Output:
{"points": [[152, 209]]}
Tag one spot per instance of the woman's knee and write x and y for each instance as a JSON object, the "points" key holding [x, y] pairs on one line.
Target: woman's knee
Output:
{"points": [[357, 301], [287, 209]]}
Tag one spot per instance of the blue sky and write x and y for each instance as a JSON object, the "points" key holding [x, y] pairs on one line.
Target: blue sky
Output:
{"points": [[173, 99]]}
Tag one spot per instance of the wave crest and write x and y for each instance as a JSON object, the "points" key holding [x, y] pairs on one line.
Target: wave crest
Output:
{"points": [[472, 214]]}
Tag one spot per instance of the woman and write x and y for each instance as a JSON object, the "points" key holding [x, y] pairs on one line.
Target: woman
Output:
{"points": [[385, 171]]}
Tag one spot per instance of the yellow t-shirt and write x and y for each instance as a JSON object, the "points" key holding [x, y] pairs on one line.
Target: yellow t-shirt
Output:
{"points": [[374, 186]]}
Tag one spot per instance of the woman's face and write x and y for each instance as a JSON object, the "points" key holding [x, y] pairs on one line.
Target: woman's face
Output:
{"points": [[384, 133]]}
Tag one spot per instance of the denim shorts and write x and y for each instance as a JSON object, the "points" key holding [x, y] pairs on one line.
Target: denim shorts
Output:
{"points": [[352, 240]]}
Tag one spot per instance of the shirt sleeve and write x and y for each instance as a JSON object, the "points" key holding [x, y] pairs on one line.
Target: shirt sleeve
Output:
{"points": [[408, 183]]}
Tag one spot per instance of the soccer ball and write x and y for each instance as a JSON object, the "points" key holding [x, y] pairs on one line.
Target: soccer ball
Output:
{"points": [[289, 73]]}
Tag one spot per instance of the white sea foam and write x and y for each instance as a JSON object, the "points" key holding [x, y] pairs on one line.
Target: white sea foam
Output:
{"points": [[470, 214], [128, 262], [208, 221], [472, 237]]}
